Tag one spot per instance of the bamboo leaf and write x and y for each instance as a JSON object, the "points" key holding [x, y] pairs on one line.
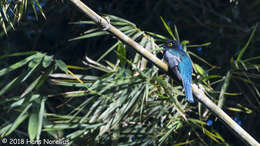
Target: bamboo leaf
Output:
{"points": [[20, 11], [241, 53], [32, 126], [176, 33], [201, 59], [200, 70], [121, 54], [83, 22], [40, 117], [213, 136], [31, 86], [74, 94], [251, 59], [61, 65], [168, 28], [47, 60], [201, 45], [18, 54], [34, 65], [34, 9], [40, 8], [23, 115], [224, 89], [94, 34], [116, 19], [108, 51], [16, 65], [158, 36], [14, 83]]}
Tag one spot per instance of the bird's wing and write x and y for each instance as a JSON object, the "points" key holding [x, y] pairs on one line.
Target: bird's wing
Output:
{"points": [[173, 61]]}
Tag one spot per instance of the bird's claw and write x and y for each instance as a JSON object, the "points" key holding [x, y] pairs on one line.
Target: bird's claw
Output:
{"points": [[105, 24]]}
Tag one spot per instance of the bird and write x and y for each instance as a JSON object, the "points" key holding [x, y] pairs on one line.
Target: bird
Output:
{"points": [[180, 64]]}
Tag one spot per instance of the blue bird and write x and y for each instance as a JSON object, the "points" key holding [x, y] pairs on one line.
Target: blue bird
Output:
{"points": [[181, 64]]}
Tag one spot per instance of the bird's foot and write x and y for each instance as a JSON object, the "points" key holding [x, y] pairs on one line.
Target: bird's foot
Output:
{"points": [[104, 24]]}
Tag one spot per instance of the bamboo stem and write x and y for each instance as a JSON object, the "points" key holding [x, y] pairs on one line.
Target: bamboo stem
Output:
{"points": [[247, 138], [223, 116]]}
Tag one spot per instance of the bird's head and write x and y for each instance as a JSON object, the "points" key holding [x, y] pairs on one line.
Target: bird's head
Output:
{"points": [[172, 44]]}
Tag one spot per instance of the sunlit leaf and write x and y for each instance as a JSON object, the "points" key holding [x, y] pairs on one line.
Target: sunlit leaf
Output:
{"points": [[121, 54], [32, 126], [61, 65]]}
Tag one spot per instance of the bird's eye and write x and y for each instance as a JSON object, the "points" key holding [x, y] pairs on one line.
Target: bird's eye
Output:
{"points": [[170, 44]]}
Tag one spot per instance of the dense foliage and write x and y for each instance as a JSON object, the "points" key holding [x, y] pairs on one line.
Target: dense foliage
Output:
{"points": [[61, 76]]}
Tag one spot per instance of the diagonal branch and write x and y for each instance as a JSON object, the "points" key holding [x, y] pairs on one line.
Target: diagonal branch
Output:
{"points": [[199, 94]]}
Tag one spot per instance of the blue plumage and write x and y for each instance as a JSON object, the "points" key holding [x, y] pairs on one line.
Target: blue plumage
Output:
{"points": [[181, 64]]}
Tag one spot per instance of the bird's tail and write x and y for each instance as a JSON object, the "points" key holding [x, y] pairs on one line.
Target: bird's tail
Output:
{"points": [[188, 90]]}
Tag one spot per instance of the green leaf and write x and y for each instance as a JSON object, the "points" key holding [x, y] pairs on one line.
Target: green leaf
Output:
{"points": [[16, 65], [17, 103], [19, 13], [200, 70], [75, 93], [224, 88], [31, 86], [121, 55], [168, 28], [60, 127], [94, 34], [38, 58], [241, 53], [83, 22], [40, 118], [158, 36], [127, 28], [119, 23], [34, 9], [66, 83], [5, 129], [10, 85], [213, 136], [126, 108], [137, 35], [251, 59], [92, 30], [61, 65], [19, 54], [52, 132], [176, 33], [47, 60], [40, 8], [108, 51], [201, 59], [44, 77], [118, 19], [3, 23], [207, 77], [75, 134], [32, 126], [18, 120], [33, 65], [201, 45]]}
